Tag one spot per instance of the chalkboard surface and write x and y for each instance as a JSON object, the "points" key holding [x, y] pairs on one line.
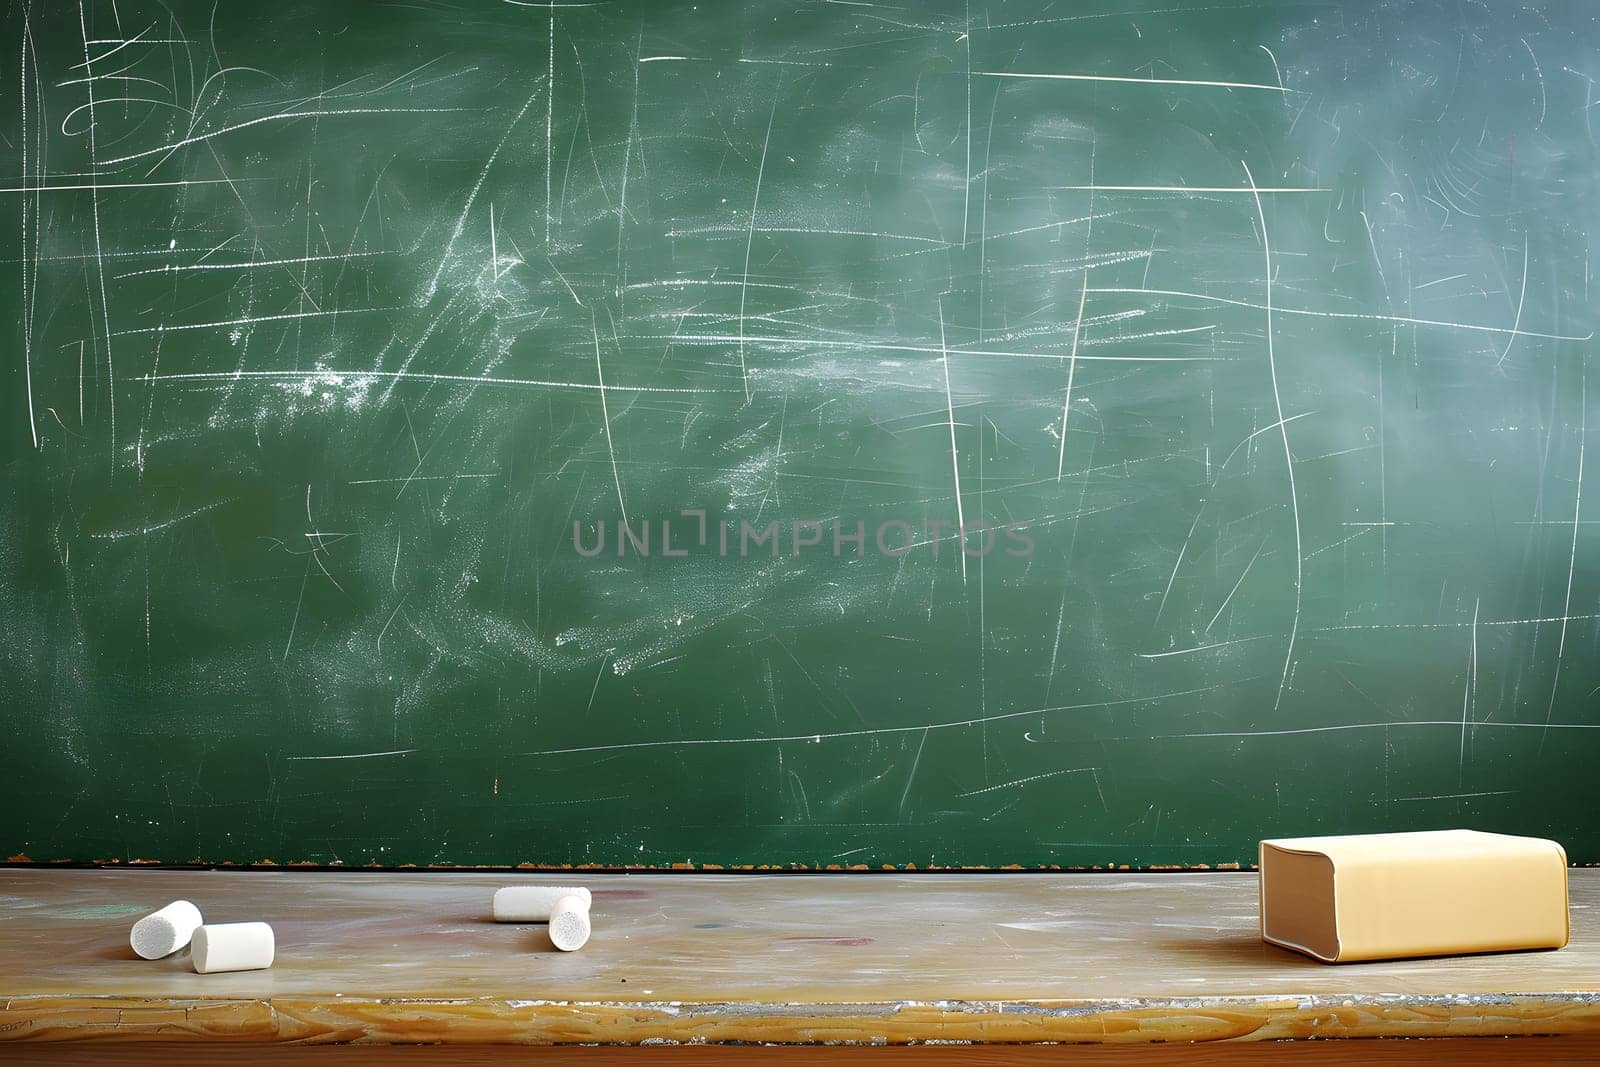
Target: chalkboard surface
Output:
{"points": [[1081, 433]]}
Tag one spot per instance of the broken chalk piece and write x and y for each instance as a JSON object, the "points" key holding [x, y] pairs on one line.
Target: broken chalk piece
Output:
{"points": [[161, 933], [569, 923], [232, 947], [532, 903], [1431, 893]]}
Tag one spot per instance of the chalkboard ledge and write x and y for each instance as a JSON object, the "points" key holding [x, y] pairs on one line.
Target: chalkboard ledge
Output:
{"points": [[950, 961]]}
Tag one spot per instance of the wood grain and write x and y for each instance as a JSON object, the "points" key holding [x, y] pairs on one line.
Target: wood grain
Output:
{"points": [[396, 958], [1459, 1052]]}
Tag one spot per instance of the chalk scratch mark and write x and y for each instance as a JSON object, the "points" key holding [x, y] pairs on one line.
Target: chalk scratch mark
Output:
{"points": [[1522, 297], [1288, 456], [750, 238], [605, 417], [955, 456], [1026, 781], [1072, 370], [817, 738], [1107, 78], [1572, 561]]}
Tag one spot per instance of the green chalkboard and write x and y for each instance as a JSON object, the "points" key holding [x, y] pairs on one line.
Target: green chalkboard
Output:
{"points": [[1206, 384]]}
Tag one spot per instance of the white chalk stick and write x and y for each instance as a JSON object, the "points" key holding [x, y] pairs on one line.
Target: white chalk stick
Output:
{"points": [[232, 947], [161, 933], [532, 903], [569, 923]]}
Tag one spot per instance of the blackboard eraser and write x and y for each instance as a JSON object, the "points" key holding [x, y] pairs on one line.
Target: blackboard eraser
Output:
{"points": [[1431, 893]]}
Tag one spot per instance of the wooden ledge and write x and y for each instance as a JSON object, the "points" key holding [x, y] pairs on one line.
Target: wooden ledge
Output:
{"points": [[803, 960]]}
